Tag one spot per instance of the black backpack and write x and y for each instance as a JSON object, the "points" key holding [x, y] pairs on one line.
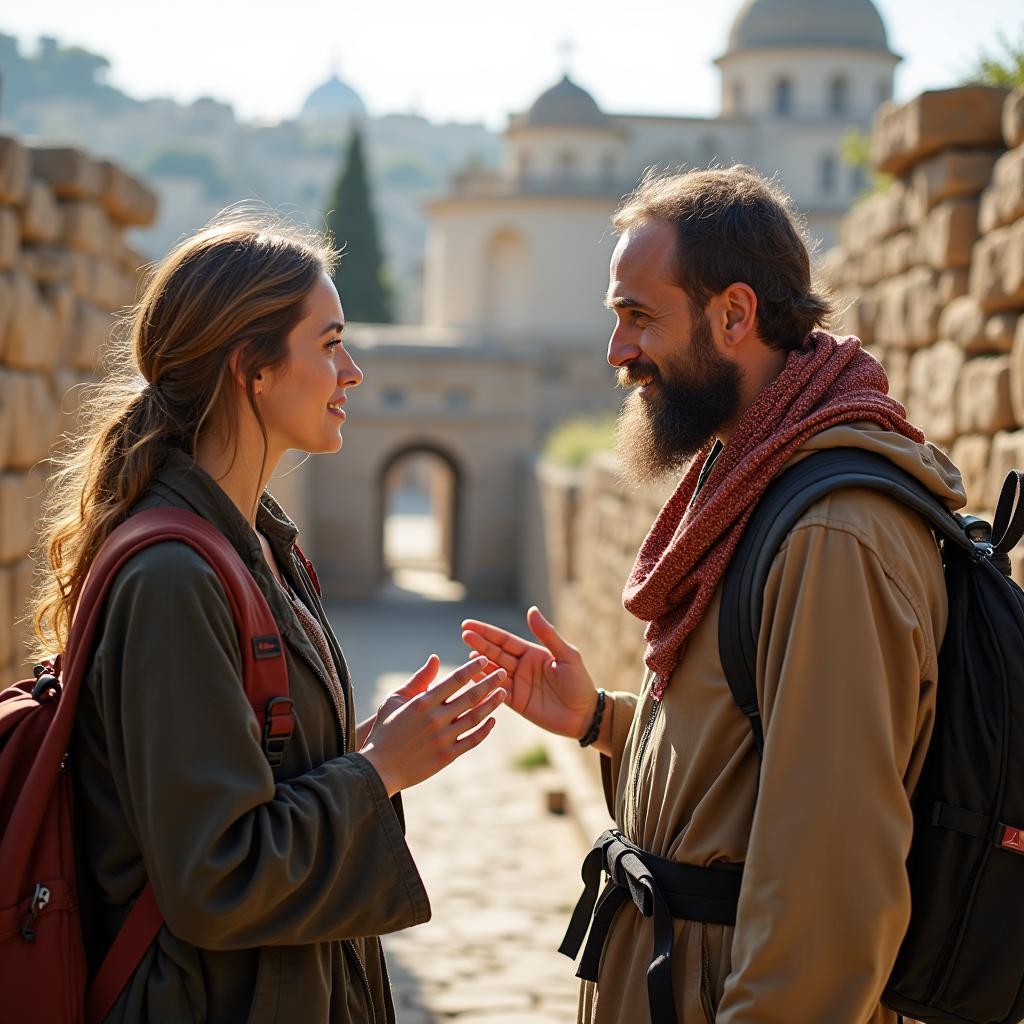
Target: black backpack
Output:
{"points": [[962, 959]]}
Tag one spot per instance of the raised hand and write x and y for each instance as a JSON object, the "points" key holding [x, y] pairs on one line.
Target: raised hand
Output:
{"points": [[547, 681], [421, 728]]}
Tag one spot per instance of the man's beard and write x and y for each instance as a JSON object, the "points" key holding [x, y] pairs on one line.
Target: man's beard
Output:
{"points": [[696, 395]]}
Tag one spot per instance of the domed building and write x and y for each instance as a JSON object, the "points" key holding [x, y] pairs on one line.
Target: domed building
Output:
{"points": [[524, 253], [516, 267], [335, 102]]}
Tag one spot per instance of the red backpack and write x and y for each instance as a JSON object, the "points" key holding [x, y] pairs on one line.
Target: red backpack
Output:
{"points": [[43, 973]]}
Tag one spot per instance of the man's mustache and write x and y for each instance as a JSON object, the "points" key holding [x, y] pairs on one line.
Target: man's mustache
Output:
{"points": [[639, 371]]}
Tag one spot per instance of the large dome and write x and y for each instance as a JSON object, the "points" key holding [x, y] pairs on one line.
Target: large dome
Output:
{"points": [[767, 24], [334, 100], [566, 104]]}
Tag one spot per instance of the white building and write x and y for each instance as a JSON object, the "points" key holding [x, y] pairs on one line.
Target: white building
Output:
{"points": [[516, 267], [525, 249]]}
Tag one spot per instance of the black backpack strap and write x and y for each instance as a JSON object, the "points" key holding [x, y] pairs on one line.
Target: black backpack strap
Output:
{"points": [[1008, 524], [787, 498]]}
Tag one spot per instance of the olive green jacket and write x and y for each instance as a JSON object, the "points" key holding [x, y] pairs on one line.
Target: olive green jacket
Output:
{"points": [[274, 883]]}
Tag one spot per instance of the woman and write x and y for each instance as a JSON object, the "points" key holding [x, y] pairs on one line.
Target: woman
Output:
{"points": [[273, 882]]}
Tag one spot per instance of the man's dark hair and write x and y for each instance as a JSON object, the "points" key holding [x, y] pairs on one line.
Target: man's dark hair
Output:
{"points": [[733, 226]]}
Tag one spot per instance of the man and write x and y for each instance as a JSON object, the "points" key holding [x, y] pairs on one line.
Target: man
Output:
{"points": [[716, 337]]}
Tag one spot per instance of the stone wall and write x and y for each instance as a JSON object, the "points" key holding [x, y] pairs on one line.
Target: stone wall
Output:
{"points": [[931, 273], [932, 270], [65, 267]]}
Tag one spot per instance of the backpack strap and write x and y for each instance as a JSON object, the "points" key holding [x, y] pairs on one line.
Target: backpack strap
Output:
{"points": [[783, 503], [265, 678], [1008, 523]]}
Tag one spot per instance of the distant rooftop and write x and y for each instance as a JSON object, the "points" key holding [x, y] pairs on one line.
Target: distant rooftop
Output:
{"points": [[765, 24], [565, 103], [333, 100]]}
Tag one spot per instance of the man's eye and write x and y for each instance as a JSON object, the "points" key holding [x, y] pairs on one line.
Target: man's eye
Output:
{"points": [[637, 316], [333, 342]]}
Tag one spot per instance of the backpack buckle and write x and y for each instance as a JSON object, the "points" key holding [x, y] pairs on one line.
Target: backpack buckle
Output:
{"points": [[277, 728]]}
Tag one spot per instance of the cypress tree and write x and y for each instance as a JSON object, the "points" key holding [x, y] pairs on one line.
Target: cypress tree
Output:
{"points": [[361, 276]]}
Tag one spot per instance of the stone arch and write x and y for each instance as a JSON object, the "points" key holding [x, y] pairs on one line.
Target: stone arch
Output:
{"points": [[450, 515], [506, 281]]}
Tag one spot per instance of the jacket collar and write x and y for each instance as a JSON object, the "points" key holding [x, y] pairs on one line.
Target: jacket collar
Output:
{"points": [[183, 476]]}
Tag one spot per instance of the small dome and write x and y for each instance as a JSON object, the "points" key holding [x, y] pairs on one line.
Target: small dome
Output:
{"points": [[566, 104], [766, 24], [334, 100]]}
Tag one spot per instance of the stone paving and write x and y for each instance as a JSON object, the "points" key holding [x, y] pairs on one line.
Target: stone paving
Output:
{"points": [[502, 873]]}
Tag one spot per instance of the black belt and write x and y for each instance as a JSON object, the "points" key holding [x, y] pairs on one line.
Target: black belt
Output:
{"points": [[659, 888]]}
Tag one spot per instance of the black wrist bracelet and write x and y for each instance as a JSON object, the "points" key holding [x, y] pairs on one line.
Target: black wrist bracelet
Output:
{"points": [[595, 722]]}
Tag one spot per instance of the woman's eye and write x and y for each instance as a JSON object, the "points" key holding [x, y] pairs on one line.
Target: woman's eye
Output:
{"points": [[333, 343]]}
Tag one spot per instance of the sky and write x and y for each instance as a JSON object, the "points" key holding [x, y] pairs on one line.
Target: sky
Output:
{"points": [[464, 60]]}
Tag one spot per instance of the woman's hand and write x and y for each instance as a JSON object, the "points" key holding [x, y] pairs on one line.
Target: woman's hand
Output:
{"points": [[549, 684], [421, 728]]}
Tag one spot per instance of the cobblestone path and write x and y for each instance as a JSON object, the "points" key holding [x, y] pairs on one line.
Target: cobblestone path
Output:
{"points": [[502, 873]]}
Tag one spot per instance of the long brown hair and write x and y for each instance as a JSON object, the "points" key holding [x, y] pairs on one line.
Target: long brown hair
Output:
{"points": [[238, 285]]}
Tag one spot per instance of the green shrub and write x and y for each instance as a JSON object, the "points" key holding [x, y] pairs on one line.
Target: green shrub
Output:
{"points": [[572, 442]]}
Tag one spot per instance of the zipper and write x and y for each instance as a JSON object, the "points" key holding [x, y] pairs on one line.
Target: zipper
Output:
{"points": [[365, 978], [338, 716], [641, 750], [40, 899]]}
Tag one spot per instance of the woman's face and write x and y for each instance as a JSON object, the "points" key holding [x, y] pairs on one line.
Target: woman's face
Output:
{"points": [[302, 401]]}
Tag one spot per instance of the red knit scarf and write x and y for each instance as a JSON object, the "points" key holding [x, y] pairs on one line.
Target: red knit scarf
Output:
{"points": [[827, 382]]}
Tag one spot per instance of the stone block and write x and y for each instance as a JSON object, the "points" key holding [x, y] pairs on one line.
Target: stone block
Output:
{"points": [[933, 380], [891, 322], [84, 227], [1000, 329], [926, 299], [60, 300], [36, 419], [997, 269], [963, 321], [938, 119], [1007, 453], [1017, 372], [126, 199], [8, 645], [949, 232], [17, 517], [46, 264], [970, 454], [1013, 119], [108, 285], [83, 273], [983, 396], [31, 339], [24, 581], [952, 283], [6, 418], [899, 253], [71, 173], [10, 238], [39, 213], [1003, 201], [953, 174], [92, 332], [857, 316], [896, 362], [14, 170]]}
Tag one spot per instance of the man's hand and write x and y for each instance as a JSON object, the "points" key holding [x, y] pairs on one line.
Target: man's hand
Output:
{"points": [[547, 681]]}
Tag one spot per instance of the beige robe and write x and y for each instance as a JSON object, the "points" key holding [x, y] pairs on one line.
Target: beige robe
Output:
{"points": [[854, 611]]}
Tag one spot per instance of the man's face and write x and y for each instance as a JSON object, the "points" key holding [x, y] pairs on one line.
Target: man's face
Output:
{"points": [[683, 390]]}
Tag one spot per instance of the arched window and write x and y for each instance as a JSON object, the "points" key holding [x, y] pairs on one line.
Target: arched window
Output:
{"points": [[783, 96], [737, 97], [525, 167], [566, 163], [608, 166], [837, 95], [827, 174], [506, 283]]}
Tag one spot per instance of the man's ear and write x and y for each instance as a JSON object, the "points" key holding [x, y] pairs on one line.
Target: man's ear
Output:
{"points": [[739, 308]]}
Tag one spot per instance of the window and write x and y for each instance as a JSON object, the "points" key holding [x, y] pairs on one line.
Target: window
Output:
{"points": [[837, 95], [525, 166], [608, 166], [566, 163], [783, 96], [737, 97], [392, 398], [827, 174]]}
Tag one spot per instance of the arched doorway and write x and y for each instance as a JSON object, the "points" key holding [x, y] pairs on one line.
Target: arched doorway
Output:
{"points": [[507, 282], [420, 495]]}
